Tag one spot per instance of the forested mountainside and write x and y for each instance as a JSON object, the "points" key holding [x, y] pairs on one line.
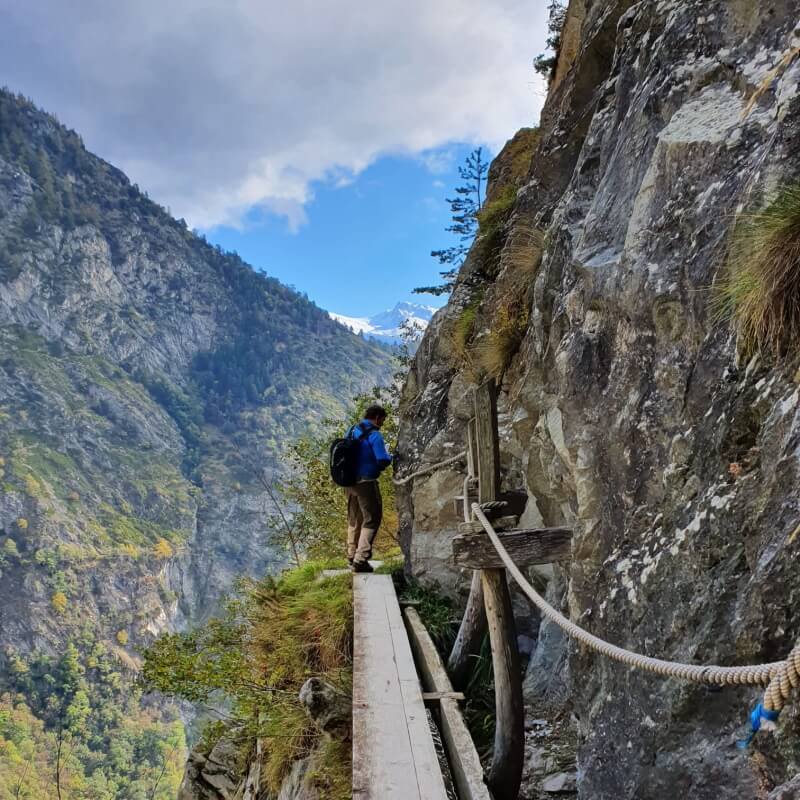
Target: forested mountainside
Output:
{"points": [[147, 379], [633, 289]]}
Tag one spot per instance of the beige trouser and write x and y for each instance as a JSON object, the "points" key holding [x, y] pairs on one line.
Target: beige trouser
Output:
{"points": [[364, 514]]}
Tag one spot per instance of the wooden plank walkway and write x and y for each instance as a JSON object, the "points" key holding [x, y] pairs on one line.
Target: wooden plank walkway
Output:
{"points": [[394, 757]]}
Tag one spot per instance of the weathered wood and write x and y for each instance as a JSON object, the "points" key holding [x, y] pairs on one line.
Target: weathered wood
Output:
{"points": [[472, 457], [505, 772], [470, 635], [504, 523], [526, 547], [393, 751], [488, 447], [465, 765], [485, 449], [433, 698]]}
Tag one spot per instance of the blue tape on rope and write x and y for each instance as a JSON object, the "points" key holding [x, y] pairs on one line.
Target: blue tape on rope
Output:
{"points": [[756, 715]]}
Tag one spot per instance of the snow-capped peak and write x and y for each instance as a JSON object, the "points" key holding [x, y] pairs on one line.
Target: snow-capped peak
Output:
{"points": [[388, 326]]}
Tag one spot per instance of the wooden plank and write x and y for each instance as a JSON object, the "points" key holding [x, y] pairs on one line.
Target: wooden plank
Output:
{"points": [[505, 772], [426, 762], [465, 765], [393, 752], [504, 523], [435, 697], [526, 547]]}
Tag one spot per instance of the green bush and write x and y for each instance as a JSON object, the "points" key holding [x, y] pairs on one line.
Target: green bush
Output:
{"points": [[273, 636]]}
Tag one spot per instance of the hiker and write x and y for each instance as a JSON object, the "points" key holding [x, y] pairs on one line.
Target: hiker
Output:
{"points": [[364, 505]]}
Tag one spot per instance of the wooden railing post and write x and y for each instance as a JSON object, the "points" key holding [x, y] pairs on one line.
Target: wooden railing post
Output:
{"points": [[505, 772], [473, 624]]}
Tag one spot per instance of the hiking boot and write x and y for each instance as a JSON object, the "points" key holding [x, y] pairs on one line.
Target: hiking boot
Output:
{"points": [[362, 566]]}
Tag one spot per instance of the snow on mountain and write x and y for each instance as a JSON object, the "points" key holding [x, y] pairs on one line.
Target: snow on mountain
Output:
{"points": [[356, 324], [388, 326]]}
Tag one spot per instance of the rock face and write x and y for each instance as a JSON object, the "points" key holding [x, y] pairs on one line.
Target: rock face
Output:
{"points": [[625, 410], [330, 710]]}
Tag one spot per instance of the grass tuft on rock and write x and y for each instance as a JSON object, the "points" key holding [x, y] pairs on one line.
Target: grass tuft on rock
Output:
{"points": [[519, 263], [760, 291]]}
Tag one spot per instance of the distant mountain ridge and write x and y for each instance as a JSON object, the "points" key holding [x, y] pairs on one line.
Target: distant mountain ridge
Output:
{"points": [[389, 326]]}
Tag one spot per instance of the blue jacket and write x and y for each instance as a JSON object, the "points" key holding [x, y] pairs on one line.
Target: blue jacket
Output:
{"points": [[373, 457]]}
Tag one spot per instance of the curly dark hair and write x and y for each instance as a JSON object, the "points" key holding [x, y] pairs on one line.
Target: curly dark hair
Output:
{"points": [[375, 412]]}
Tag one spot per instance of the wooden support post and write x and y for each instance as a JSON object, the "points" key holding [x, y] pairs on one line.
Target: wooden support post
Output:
{"points": [[505, 772], [473, 624], [488, 445], [470, 635]]}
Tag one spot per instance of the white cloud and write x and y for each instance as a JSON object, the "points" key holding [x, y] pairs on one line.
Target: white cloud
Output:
{"points": [[437, 162], [221, 107]]}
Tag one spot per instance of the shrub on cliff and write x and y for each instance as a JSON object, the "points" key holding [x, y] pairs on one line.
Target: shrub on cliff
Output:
{"points": [[760, 291], [272, 637]]}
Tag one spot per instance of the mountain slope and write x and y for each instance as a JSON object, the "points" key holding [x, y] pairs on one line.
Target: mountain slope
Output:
{"points": [[147, 379]]}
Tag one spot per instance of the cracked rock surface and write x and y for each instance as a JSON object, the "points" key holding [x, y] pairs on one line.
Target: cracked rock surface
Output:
{"points": [[625, 411]]}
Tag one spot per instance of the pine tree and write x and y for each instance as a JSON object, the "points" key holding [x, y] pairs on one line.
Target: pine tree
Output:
{"points": [[545, 63], [464, 208]]}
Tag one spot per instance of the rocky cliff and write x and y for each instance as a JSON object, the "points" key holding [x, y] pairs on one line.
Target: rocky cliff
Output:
{"points": [[627, 411], [147, 383]]}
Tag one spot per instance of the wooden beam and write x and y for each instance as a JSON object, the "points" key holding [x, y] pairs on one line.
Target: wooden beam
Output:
{"points": [[504, 523], [472, 458], [432, 673], [526, 547], [433, 698], [465, 765], [505, 773], [470, 635], [487, 442]]}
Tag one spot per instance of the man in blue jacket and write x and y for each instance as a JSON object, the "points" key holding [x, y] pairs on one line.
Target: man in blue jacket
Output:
{"points": [[364, 504]]}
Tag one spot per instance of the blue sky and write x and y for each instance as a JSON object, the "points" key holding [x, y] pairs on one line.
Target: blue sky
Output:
{"points": [[256, 125], [383, 224]]}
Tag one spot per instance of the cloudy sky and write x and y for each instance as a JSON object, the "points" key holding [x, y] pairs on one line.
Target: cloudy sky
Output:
{"points": [[256, 120]]}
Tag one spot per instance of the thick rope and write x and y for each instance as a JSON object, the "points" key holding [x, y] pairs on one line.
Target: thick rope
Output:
{"points": [[779, 677], [432, 468]]}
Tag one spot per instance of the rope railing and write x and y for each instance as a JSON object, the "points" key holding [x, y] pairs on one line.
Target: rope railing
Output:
{"points": [[432, 468], [779, 677]]}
